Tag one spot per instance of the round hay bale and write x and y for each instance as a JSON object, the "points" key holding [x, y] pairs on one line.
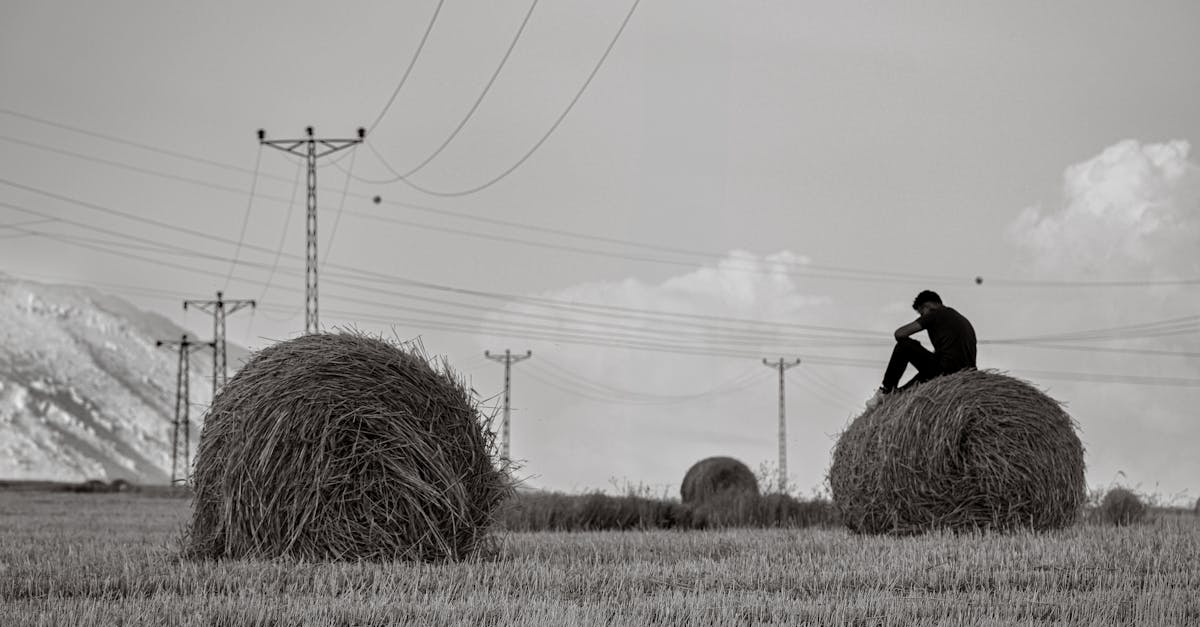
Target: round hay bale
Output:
{"points": [[346, 447], [971, 450], [1122, 507], [709, 477]]}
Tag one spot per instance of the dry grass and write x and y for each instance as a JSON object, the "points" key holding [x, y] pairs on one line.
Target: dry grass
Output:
{"points": [[972, 450], [344, 446], [82, 559], [715, 475]]}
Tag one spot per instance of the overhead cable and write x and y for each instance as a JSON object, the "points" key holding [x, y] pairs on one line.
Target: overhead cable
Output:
{"points": [[407, 70], [538, 144]]}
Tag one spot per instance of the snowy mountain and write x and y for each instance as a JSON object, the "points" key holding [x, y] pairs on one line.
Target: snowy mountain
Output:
{"points": [[84, 392]]}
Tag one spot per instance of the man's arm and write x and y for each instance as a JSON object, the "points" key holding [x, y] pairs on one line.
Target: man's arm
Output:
{"points": [[909, 329]]}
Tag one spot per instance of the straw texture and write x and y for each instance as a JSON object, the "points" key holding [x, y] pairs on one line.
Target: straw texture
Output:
{"points": [[971, 450], [344, 447], [709, 477]]}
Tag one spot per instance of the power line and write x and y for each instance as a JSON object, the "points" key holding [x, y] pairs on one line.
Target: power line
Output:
{"points": [[1158, 325], [874, 276], [1102, 349], [654, 316], [588, 391], [811, 388], [799, 272], [536, 145], [643, 314], [119, 140], [287, 220], [245, 219], [659, 248], [820, 381], [471, 112], [17, 226], [1120, 283], [598, 340], [337, 219], [1100, 377], [380, 277], [408, 70], [869, 275], [1168, 326], [635, 397]]}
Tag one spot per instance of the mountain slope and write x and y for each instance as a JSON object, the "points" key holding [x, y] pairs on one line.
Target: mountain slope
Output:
{"points": [[84, 392]]}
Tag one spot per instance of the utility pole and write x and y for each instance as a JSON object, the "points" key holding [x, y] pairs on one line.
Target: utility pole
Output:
{"points": [[219, 308], [311, 148], [182, 401], [508, 359], [782, 365]]}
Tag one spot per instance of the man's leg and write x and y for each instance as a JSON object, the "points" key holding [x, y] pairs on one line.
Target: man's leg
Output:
{"points": [[909, 351]]}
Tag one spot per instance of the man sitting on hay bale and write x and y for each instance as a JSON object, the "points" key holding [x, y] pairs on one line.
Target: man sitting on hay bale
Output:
{"points": [[953, 340]]}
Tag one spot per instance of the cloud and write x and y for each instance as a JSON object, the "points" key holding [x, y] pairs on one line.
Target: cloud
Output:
{"points": [[1133, 211]]}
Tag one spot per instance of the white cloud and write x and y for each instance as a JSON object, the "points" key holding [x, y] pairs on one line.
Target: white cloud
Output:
{"points": [[1133, 211]]}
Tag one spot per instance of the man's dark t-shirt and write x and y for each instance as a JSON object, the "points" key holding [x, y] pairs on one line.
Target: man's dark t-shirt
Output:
{"points": [[953, 338]]}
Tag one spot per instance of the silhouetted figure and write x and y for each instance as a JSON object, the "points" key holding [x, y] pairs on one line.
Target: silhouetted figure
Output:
{"points": [[953, 340]]}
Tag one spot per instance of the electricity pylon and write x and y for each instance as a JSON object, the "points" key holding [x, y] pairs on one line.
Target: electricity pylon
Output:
{"points": [[782, 365], [308, 148], [182, 403], [219, 308], [508, 359]]}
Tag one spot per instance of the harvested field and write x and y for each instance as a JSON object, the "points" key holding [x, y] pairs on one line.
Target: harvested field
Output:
{"points": [[84, 559]]}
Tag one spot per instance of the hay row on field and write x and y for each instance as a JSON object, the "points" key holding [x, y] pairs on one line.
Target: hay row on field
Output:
{"points": [[972, 450], [343, 446]]}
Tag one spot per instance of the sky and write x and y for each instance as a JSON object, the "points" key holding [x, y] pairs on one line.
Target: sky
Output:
{"points": [[733, 181]]}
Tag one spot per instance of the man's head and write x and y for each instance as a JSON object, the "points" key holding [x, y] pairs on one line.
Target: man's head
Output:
{"points": [[925, 301]]}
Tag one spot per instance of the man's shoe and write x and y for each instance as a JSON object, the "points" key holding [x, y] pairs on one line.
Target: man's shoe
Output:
{"points": [[875, 401]]}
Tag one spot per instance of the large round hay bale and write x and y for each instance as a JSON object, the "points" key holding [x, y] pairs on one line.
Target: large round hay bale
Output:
{"points": [[344, 446], [715, 475], [971, 450]]}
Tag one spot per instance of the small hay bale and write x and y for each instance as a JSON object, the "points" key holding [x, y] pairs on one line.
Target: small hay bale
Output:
{"points": [[344, 447], [714, 475], [1122, 507], [973, 450], [91, 486]]}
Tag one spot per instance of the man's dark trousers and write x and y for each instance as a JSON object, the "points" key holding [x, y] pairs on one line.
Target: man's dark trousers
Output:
{"points": [[909, 351]]}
